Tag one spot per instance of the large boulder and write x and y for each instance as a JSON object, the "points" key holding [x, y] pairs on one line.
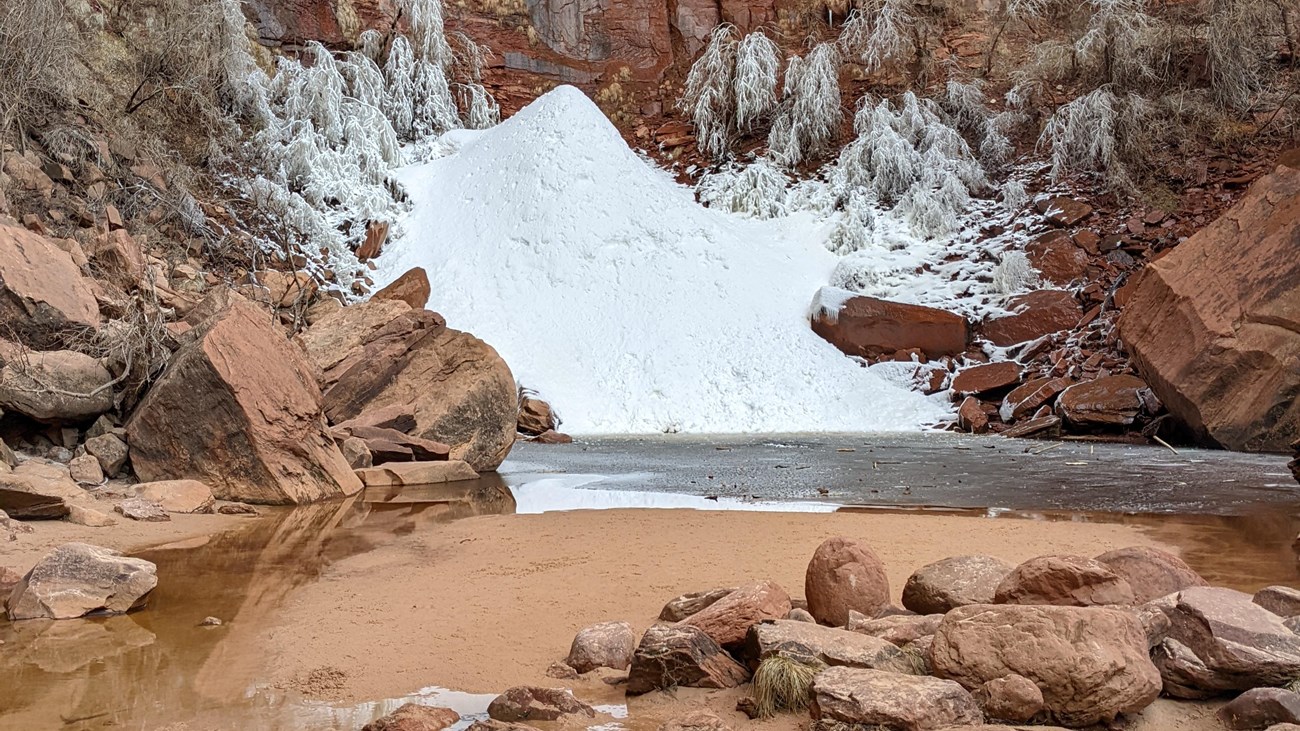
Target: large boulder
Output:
{"points": [[728, 620], [879, 699], [1220, 641], [830, 645], [36, 498], [604, 645], [77, 579], [1090, 663], [1150, 572], [1065, 581], [384, 353], [845, 575], [43, 296], [954, 582], [411, 288], [868, 327], [54, 387], [239, 409], [1220, 344], [677, 655]]}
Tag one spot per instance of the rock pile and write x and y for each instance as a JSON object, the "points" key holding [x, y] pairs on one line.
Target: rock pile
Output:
{"points": [[1067, 640]]}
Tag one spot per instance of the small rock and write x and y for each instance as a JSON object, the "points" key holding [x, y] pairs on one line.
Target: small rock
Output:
{"points": [[697, 720], [685, 605], [211, 622], [357, 453], [550, 436], [1013, 698], [411, 288], [236, 509], [561, 671], [89, 517], [86, 470], [530, 703], [1103, 402], [1033, 315], [178, 496], [828, 645], [110, 451], [415, 717], [1280, 600], [971, 417], [1062, 211], [1260, 708], [604, 645], [8, 580], [800, 615], [144, 510]]}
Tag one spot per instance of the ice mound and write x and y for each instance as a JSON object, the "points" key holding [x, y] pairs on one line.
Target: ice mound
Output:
{"points": [[627, 305]]}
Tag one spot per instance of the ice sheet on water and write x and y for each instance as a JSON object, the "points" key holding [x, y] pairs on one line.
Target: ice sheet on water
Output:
{"points": [[630, 307]]}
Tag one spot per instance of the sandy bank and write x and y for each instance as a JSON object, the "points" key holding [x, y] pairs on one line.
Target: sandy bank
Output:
{"points": [[488, 602], [128, 536]]}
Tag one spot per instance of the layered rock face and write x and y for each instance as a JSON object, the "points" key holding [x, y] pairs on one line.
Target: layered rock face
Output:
{"points": [[1214, 326], [239, 409], [570, 42], [42, 292]]}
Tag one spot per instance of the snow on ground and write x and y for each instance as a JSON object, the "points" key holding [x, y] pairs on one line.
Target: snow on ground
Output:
{"points": [[627, 305]]}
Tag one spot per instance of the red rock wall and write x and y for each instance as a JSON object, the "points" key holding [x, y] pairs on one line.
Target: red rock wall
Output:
{"points": [[1214, 326]]}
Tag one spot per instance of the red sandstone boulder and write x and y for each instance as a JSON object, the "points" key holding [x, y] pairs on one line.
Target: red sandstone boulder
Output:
{"points": [[1214, 326], [870, 328], [1090, 663], [678, 655], [1150, 572], [1104, 402], [604, 645], [1027, 398], [42, 292], [1063, 211], [536, 417], [531, 703], [239, 409], [1057, 258], [941, 586], [414, 717], [728, 619], [879, 699], [384, 354], [971, 416], [845, 575], [1033, 315], [1063, 581], [411, 288], [987, 377]]}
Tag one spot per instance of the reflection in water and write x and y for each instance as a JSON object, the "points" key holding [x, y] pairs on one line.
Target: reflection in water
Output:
{"points": [[160, 669], [159, 665]]}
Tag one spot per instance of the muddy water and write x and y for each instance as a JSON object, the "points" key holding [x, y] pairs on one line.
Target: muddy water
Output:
{"points": [[1232, 515]]}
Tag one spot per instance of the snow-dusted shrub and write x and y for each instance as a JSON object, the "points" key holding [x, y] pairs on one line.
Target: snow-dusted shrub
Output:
{"points": [[758, 59], [965, 106], [810, 112], [38, 45], [857, 272], [481, 110], [1238, 48], [1101, 132], [757, 190], [1014, 195], [710, 96], [880, 32], [1013, 273], [853, 230]]}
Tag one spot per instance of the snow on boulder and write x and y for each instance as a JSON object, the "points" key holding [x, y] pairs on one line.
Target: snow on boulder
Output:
{"points": [[607, 288]]}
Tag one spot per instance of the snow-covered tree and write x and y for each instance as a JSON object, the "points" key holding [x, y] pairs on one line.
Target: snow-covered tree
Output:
{"points": [[810, 113], [758, 59], [756, 190], [710, 96]]}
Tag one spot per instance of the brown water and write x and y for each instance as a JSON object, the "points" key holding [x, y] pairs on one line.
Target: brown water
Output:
{"points": [[158, 668]]}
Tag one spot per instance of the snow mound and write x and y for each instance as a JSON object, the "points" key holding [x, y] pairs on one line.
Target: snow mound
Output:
{"points": [[623, 302]]}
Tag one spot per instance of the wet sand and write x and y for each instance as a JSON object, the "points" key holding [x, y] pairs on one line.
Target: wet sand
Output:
{"points": [[128, 536], [490, 602]]}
